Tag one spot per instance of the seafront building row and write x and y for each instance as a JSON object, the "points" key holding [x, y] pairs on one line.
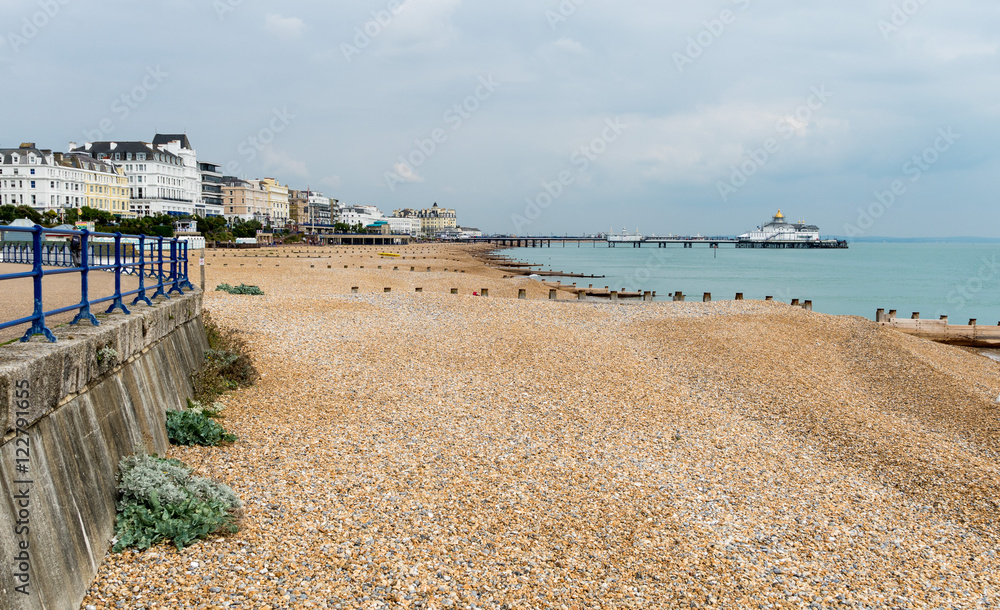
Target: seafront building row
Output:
{"points": [[164, 176]]}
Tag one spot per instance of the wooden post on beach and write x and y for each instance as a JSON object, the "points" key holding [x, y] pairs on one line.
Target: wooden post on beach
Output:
{"points": [[679, 296], [915, 316], [707, 298], [972, 322], [944, 319], [387, 289], [768, 298], [892, 315], [484, 292], [880, 315], [419, 289], [739, 296], [553, 295], [808, 306], [647, 296], [428, 269], [454, 290], [614, 295], [795, 302], [522, 293], [354, 290]]}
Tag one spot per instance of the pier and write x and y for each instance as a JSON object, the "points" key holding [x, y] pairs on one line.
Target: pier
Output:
{"points": [[638, 241]]}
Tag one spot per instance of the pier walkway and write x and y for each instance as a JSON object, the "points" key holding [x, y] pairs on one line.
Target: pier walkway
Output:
{"points": [[637, 241]]}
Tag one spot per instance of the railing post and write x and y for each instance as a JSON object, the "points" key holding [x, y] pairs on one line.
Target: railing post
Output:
{"points": [[38, 324], [85, 281], [174, 271], [117, 303], [186, 277], [141, 296], [159, 287]]}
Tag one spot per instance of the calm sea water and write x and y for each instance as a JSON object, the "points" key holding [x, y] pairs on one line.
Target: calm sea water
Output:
{"points": [[958, 280]]}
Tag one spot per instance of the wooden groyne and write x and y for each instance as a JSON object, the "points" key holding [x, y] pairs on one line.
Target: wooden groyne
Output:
{"points": [[941, 331]]}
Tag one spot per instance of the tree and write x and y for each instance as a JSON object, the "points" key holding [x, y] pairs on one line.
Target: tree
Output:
{"points": [[9, 213], [247, 228], [89, 214]]}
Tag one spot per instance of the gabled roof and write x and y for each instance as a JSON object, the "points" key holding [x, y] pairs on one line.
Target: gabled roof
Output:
{"points": [[6, 155], [108, 149], [162, 139]]}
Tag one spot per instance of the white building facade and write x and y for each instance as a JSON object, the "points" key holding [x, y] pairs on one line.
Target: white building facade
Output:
{"points": [[163, 176], [359, 214], [404, 226], [211, 190], [55, 182], [30, 176]]}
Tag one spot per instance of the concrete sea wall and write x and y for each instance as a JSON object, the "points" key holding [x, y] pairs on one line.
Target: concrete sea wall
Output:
{"points": [[69, 412]]}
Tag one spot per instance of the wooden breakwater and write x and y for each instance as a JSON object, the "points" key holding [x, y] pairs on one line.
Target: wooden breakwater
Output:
{"points": [[972, 334]]}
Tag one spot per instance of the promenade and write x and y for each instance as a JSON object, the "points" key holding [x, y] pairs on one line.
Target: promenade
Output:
{"points": [[438, 450]]}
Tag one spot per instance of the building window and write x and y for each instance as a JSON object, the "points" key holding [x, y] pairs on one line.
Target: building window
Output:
{"points": [[32, 184]]}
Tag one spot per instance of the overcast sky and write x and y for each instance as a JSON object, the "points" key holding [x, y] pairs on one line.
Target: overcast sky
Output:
{"points": [[540, 116]]}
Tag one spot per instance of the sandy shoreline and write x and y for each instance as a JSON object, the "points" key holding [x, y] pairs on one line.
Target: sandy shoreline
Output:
{"points": [[430, 450]]}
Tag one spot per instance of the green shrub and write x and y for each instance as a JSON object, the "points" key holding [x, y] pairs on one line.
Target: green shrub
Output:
{"points": [[227, 364], [192, 428], [241, 289], [162, 500]]}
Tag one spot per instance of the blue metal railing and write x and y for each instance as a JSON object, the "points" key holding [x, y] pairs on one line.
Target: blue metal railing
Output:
{"points": [[162, 260]]}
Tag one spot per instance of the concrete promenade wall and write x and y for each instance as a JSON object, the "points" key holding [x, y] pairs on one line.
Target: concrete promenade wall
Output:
{"points": [[68, 417]]}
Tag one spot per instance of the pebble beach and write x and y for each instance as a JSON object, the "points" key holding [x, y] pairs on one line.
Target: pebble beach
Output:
{"points": [[432, 450]]}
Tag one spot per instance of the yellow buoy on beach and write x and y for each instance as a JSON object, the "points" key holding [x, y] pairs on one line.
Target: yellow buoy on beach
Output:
{"points": [[388, 254]]}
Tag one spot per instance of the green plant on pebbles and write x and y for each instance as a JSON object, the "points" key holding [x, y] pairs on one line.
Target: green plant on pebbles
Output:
{"points": [[196, 428], [227, 363], [162, 500], [241, 289]]}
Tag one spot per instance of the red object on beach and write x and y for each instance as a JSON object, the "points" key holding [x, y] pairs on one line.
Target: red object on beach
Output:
{"points": [[475, 294]]}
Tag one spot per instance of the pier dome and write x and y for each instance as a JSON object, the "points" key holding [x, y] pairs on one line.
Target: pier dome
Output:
{"points": [[779, 217]]}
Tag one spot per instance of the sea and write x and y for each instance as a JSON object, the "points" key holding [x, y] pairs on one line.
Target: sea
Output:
{"points": [[960, 280]]}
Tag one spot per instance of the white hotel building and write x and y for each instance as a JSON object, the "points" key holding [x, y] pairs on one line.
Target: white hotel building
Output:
{"points": [[163, 176], [48, 181]]}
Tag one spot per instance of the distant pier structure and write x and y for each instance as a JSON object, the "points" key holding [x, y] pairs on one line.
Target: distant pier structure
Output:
{"points": [[778, 234]]}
